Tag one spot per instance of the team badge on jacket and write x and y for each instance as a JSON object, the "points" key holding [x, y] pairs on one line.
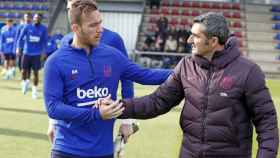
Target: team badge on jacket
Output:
{"points": [[227, 83], [107, 70], [74, 74]]}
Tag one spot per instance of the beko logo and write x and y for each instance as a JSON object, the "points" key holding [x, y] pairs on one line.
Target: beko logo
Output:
{"points": [[95, 92]]}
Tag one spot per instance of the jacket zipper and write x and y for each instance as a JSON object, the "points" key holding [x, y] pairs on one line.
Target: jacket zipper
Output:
{"points": [[90, 63], [204, 108]]}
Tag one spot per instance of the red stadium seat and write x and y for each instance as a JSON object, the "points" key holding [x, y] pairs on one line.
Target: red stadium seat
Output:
{"points": [[237, 24], [226, 5], [165, 3], [176, 3], [173, 21], [236, 15], [205, 5], [175, 11], [152, 20], [227, 14], [195, 4], [216, 5], [185, 12], [195, 13], [155, 11], [164, 10], [184, 21], [186, 4], [151, 28], [236, 6]]}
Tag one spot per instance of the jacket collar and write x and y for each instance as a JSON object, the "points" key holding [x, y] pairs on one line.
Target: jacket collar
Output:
{"points": [[220, 58]]}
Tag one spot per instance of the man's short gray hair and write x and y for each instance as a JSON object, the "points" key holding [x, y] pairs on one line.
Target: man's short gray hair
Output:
{"points": [[215, 25]]}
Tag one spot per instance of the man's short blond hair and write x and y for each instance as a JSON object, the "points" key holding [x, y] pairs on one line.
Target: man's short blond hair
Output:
{"points": [[79, 8]]}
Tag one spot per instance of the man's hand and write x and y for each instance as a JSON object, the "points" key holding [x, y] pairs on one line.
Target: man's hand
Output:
{"points": [[108, 108], [50, 132], [126, 130]]}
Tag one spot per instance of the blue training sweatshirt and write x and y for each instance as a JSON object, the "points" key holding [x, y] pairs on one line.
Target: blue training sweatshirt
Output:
{"points": [[19, 28], [51, 46], [73, 81], [7, 39], [112, 39], [34, 37]]}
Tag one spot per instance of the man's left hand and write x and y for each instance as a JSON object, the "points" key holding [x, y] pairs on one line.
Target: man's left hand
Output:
{"points": [[126, 130]]}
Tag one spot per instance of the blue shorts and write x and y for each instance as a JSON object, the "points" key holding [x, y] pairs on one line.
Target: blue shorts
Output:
{"points": [[29, 62], [10, 56], [59, 154]]}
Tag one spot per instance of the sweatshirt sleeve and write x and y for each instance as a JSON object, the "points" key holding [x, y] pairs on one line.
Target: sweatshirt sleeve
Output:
{"points": [[263, 113], [1, 42], [127, 89], [145, 76], [45, 38], [20, 40], [168, 95], [53, 96]]}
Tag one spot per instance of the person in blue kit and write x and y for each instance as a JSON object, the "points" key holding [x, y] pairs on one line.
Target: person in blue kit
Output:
{"points": [[127, 90], [27, 19], [51, 46], [79, 73], [33, 38], [7, 37]]}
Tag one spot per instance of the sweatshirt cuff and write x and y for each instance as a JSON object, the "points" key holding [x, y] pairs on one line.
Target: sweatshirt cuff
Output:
{"points": [[97, 115]]}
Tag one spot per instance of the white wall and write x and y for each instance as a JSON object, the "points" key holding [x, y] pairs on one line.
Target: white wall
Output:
{"points": [[126, 24]]}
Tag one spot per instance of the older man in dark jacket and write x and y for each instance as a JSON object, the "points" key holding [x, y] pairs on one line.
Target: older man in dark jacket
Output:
{"points": [[225, 95]]}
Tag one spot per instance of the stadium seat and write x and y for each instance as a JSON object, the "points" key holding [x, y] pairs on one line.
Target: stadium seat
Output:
{"points": [[173, 21], [276, 17], [175, 11], [205, 5], [227, 14], [226, 5], [276, 26], [185, 12], [151, 28], [45, 7], [216, 5], [275, 9], [176, 3], [154, 11], [186, 4], [278, 46], [277, 36], [164, 10], [152, 19], [237, 24], [184, 21], [165, 3], [236, 6], [195, 13], [195, 4], [236, 15]]}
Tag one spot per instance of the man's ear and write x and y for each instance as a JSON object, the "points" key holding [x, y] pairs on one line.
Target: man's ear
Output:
{"points": [[215, 41], [75, 28]]}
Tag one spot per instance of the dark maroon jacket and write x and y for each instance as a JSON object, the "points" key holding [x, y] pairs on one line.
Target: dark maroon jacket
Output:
{"points": [[223, 100]]}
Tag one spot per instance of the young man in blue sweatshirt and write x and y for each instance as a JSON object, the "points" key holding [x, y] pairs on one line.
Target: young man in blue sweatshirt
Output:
{"points": [[34, 36], [77, 75], [7, 37], [27, 19], [127, 91]]}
